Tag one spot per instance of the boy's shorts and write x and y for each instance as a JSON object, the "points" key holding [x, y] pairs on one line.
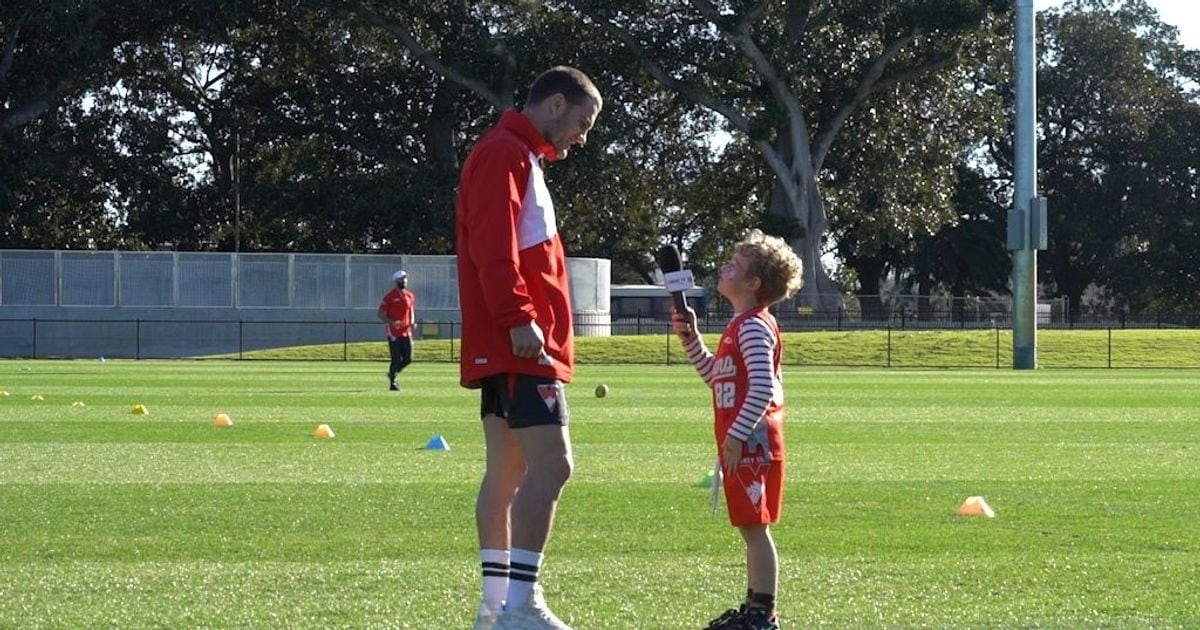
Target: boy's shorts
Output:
{"points": [[524, 400], [754, 493]]}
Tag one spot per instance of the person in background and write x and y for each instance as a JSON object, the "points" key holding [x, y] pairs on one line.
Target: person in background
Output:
{"points": [[397, 310]]}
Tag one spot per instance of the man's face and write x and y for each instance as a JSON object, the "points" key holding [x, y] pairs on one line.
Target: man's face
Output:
{"points": [[571, 123], [402, 283]]}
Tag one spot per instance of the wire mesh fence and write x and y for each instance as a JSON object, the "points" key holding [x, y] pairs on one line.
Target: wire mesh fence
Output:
{"points": [[634, 340]]}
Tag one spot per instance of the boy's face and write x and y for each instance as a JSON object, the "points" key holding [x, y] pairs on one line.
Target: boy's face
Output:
{"points": [[735, 282]]}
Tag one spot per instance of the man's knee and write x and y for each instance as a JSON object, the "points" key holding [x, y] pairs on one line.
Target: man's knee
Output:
{"points": [[554, 470]]}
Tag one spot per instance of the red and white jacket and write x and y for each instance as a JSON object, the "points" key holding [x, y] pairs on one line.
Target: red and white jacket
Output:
{"points": [[511, 266]]}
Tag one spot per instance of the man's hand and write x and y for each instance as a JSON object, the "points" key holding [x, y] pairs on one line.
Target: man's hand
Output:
{"points": [[684, 323], [731, 453], [527, 341]]}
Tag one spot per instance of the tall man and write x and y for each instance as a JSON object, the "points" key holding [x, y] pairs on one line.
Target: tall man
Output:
{"points": [[517, 345], [397, 310]]}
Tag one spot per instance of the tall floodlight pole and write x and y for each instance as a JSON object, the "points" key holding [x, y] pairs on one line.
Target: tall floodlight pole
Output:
{"points": [[1027, 218]]}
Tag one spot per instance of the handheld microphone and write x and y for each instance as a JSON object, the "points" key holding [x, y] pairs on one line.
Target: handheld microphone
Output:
{"points": [[676, 278]]}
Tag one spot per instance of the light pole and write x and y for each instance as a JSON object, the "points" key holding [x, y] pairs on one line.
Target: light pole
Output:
{"points": [[1027, 218]]}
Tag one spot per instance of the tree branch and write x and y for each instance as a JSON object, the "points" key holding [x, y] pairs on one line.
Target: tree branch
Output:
{"points": [[866, 85], [24, 113], [10, 48], [430, 60], [800, 19], [798, 126], [696, 94]]}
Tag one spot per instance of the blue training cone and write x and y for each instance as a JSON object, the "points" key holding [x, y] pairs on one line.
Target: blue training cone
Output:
{"points": [[437, 443]]}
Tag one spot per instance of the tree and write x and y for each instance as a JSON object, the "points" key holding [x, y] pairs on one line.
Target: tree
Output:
{"points": [[892, 180], [614, 197], [1158, 269], [787, 76], [51, 54], [1107, 76]]}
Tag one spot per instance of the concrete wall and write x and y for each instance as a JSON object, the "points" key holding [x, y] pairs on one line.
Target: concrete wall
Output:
{"points": [[114, 328]]}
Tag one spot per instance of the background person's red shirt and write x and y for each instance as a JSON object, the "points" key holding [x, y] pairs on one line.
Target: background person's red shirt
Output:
{"points": [[398, 305]]}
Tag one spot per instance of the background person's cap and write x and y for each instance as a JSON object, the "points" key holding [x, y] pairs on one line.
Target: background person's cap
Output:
{"points": [[400, 275]]}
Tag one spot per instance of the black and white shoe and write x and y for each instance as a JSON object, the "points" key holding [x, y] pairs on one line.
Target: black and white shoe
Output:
{"points": [[393, 387], [728, 619], [758, 619]]}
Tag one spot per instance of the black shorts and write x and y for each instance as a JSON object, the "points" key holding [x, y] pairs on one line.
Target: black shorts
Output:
{"points": [[524, 400]]}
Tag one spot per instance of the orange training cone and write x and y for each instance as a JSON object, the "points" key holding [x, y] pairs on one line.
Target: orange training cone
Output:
{"points": [[975, 506], [323, 432], [222, 420]]}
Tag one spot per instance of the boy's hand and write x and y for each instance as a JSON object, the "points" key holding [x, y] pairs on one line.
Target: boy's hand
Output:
{"points": [[731, 453], [684, 323]]}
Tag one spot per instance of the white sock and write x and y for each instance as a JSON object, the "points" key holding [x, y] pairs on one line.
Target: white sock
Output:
{"points": [[522, 576], [495, 577]]}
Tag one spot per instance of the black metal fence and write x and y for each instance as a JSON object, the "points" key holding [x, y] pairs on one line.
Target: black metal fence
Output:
{"points": [[840, 339]]}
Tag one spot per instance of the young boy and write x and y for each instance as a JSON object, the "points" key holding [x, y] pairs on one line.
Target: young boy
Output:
{"points": [[748, 407]]}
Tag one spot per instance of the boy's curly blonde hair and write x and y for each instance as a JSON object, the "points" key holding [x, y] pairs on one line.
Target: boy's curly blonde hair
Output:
{"points": [[772, 261]]}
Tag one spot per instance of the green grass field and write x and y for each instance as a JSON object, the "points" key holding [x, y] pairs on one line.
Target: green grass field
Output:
{"points": [[116, 520]]}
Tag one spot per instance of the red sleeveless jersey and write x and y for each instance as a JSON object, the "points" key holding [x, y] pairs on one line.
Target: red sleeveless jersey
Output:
{"points": [[730, 384]]}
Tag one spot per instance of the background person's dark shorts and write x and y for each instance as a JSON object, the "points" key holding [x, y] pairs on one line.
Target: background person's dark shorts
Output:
{"points": [[524, 400]]}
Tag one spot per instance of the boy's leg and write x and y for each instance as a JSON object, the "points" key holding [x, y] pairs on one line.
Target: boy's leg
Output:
{"points": [[762, 566]]}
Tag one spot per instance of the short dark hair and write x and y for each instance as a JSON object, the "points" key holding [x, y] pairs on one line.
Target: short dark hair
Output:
{"points": [[572, 83]]}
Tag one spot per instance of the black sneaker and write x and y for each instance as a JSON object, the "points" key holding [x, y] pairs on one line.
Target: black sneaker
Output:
{"points": [[758, 619], [728, 619], [393, 387]]}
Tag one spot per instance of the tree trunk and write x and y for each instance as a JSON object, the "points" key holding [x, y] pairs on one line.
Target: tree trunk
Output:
{"points": [[806, 209], [439, 136], [870, 274], [924, 290]]}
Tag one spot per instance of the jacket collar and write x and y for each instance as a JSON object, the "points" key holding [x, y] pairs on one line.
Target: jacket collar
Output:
{"points": [[519, 124]]}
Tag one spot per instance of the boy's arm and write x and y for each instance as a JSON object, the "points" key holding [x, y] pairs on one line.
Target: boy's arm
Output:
{"points": [[686, 327], [700, 357], [757, 344]]}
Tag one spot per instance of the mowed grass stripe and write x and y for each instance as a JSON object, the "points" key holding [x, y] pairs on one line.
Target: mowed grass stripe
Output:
{"points": [[1011, 590], [332, 522], [85, 463]]}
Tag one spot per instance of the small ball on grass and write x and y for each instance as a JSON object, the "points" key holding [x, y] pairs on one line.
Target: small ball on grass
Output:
{"points": [[601, 391]]}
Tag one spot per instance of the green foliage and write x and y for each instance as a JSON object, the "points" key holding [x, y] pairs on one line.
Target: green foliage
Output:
{"points": [[1111, 97]]}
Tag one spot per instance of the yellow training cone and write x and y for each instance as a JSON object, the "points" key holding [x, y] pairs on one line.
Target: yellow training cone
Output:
{"points": [[140, 410], [975, 506], [222, 420], [3, 394], [36, 397], [78, 403], [323, 432]]}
